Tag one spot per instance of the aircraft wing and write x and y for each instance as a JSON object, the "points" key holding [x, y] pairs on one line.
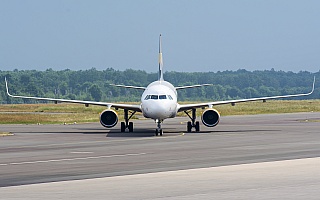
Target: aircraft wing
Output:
{"points": [[233, 102], [109, 105]]}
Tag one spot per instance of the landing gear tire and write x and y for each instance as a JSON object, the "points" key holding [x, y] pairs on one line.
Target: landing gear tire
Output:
{"points": [[123, 127], [159, 132], [197, 126], [130, 127], [189, 127], [126, 124], [193, 123]]}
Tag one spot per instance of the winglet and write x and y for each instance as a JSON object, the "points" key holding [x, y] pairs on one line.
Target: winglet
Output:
{"points": [[5, 79], [160, 76], [314, 81]]}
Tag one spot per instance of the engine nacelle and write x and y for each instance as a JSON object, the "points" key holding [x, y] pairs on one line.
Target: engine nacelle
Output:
{"points": [[210, 117], [108, 118]]}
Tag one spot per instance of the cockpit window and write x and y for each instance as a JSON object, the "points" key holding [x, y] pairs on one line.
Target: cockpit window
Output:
{"points": [[154, 96]]}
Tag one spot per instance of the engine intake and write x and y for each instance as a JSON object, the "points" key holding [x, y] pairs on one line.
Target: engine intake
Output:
{"points": [[109, 118], [210, 117]]}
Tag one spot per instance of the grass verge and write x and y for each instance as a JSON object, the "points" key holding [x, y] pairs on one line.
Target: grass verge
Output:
{"points": [[71, 113]]}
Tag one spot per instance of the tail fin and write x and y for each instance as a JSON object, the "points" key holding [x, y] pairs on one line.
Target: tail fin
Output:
{"points": [[160, 75]]}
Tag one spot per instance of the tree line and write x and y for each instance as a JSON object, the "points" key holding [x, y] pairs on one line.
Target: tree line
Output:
{"points": [[93, 84]]}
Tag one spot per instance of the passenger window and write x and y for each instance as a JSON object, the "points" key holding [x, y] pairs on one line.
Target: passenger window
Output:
{"points": [[154, 96], [162, 97]]}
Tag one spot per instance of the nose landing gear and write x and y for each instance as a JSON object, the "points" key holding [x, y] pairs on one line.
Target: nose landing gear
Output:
{"points": [[159, 130]]}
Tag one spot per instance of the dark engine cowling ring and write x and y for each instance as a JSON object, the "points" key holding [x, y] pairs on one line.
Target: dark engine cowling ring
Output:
{"points": [[108, 118], [210, 117]]}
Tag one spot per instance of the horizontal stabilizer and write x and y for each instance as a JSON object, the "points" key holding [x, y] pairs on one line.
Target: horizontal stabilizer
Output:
{"points": [[192, 86], [129, 86]]}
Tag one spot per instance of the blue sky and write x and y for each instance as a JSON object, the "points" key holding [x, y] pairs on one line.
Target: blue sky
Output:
{"points": [[198, 35]]}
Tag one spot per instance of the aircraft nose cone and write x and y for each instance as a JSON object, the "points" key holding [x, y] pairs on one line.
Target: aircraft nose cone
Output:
{"points": [[158, 111]]}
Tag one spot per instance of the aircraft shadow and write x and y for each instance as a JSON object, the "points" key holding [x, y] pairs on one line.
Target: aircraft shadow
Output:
{"points": [[145, 132], [244, 131], [150, 132], [136, 133]]}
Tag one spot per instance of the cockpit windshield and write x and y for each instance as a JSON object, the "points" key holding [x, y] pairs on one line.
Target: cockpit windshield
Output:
{"points": [[161, 97], [154, 96]]}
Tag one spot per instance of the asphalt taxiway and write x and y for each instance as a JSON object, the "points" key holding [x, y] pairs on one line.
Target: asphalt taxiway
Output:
{"points": [[79, 154]]}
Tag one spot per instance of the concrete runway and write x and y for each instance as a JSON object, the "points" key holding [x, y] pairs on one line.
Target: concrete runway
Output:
{"points": [[54, 153]]}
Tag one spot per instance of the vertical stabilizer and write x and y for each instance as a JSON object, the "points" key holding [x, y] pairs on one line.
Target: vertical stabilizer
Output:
{"points": [[160, 76]]}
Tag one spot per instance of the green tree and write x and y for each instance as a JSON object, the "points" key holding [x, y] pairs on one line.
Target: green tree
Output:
{"points": [[95, 92]]}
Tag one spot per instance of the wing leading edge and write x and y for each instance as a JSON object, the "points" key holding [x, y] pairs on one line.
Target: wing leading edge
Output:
{"points": [[210, 104], [109, 105]]}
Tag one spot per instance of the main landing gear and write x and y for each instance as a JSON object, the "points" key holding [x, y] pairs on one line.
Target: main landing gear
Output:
{"points": [[193, 123], [159, 130], [126, 124]]}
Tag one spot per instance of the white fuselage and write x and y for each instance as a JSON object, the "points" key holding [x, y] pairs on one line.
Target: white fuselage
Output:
{"points": [[159, 101]]}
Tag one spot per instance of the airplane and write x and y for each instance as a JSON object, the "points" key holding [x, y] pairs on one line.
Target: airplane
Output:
{"points": [[159, 102]]}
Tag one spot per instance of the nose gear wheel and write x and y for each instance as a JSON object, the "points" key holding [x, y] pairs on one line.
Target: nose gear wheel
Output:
{"points": [[159, 130]]}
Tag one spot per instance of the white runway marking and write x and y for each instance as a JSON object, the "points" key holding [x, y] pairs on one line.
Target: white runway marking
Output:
{"points": [[81, 152], [72, 159]]}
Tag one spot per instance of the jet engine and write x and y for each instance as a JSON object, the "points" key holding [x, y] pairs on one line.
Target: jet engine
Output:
{"points": [[108, 118], [210, 117]]}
